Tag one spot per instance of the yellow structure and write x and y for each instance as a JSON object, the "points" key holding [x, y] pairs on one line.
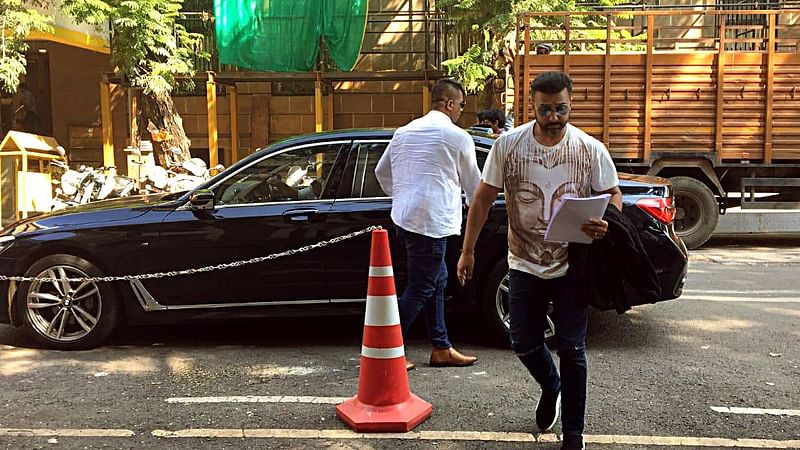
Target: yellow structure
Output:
{"points": [[25, 184]]}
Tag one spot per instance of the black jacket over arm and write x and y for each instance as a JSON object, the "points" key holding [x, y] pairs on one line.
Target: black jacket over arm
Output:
{"points": [[618, 270]]}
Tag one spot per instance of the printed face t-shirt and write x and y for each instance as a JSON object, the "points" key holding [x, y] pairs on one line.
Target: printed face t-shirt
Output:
{"points": [[534, 177]]}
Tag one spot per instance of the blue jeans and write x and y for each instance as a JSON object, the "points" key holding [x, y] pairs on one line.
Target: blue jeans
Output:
{"points": [[426, 280], [528, 298]]}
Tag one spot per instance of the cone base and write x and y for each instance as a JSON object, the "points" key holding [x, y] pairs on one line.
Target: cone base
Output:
{"points": [[398, 418]]}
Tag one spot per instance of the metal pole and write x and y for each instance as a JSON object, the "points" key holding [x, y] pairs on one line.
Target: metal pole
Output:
{"points": [[105, 117], [318, 103], [213, 136], [233, 96]]}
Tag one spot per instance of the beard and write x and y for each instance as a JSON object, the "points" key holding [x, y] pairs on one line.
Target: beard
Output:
{"points": [[553, 129]]}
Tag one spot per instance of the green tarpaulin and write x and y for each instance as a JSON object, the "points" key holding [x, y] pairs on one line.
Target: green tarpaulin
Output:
{"points": [[284, 35]]}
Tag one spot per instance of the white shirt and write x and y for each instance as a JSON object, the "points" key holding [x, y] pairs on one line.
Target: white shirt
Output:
{"points": [[534, 177], [424, 169]]}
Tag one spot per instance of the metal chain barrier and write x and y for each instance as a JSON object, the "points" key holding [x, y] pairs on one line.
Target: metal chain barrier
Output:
{"points": [[176, 273]]}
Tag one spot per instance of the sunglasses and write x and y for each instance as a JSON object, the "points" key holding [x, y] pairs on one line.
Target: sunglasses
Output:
{"points": [[462, 104], [562, 109]]}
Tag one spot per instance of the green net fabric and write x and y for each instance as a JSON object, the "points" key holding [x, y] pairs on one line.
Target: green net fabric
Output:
{"points": [[284, 35]]}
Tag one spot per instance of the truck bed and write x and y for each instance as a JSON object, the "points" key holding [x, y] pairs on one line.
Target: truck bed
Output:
{"points": [[713, 101]]}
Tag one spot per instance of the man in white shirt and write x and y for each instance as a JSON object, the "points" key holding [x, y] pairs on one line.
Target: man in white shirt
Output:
{"points": [[424, 168], [536, 164]]}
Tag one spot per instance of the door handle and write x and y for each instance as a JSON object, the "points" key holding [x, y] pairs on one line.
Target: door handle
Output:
{"points": [[300, 214]]}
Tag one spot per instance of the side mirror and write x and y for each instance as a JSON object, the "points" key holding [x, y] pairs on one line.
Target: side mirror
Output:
{"points": [[201, 200]]}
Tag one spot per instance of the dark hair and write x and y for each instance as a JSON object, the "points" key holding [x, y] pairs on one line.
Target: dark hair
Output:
{"points": [[551, 83], [443, 87], [493, 115], [498, 115]]}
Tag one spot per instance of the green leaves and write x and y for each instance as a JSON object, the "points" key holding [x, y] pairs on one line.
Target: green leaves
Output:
{"points": [[492, 21], [471, 69], [16, 22], [147, 46]]}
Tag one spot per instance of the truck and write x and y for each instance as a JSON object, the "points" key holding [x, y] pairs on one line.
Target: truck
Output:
{"points": [[709, 98]]}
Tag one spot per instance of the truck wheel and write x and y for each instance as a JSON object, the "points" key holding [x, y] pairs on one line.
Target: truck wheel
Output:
{"points": [[495, 306], [696, 211]]}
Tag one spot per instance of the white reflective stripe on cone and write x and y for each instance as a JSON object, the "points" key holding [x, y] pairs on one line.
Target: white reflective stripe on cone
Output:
{"points": [[381, 271], [382, 310], [383, 353]]}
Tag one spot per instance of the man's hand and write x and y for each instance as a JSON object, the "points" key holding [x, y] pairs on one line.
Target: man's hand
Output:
{"points": [[465, 265], [595, 229], [482, 201]]}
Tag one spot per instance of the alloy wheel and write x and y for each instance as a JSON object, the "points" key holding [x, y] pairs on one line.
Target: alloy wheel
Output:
{"points": [[62, 310], [501, 308]]}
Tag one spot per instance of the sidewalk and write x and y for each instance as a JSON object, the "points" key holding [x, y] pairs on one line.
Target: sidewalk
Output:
{"points": [[759, 222]]}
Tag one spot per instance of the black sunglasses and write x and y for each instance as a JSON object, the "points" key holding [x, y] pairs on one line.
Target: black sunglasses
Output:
{"points": [[462, 104]]}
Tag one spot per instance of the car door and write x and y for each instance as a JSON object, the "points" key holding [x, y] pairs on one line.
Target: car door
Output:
{"points": [[277, 203], [360, 203]]}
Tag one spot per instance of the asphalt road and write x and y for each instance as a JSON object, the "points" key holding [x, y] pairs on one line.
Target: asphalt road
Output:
{"points": [[732, 341]]}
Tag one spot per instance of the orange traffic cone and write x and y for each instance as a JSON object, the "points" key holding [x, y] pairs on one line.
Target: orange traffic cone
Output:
{"points": [[384, 402]]}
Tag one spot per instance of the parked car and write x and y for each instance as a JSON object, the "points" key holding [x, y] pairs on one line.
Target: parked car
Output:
{"points": [[288, 195]]}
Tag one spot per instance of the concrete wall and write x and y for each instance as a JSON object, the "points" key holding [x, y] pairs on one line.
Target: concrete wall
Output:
{"points": [[74, 87], [74, 99]]}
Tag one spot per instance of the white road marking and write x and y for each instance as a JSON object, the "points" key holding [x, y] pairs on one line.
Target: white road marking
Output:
{"points": [[260, 399], [64, 432], [756, 411], [752, 292], [483, 436], [650, 441], [752, 299]]}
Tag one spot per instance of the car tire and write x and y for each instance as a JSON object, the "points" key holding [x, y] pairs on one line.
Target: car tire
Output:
{"points": [[696, 211], [67, 315], [494, 306]]}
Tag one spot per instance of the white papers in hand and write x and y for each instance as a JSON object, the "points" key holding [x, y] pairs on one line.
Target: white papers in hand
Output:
{"points": [[572, 212]]}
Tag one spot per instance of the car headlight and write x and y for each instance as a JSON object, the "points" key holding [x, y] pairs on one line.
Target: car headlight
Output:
{"points": [[6, 241]]}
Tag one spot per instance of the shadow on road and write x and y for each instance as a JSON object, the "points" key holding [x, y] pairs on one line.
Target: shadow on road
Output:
{"points": [[270, 332], [634, 329], [606, 330]]}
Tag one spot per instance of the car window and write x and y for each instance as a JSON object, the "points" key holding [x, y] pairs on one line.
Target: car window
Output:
{"points": [[367, 154], [480, 154], [292, 175]]}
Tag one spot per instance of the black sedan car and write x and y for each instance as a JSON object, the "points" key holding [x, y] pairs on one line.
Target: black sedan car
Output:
{"points": [[291, 194]]}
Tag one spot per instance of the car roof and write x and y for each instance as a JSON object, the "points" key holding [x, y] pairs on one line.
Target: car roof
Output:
{"points": [[365, 133], [483, 139]]}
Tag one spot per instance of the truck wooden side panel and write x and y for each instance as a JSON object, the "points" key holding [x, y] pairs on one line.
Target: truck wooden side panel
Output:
{"points": [[611, 99]]}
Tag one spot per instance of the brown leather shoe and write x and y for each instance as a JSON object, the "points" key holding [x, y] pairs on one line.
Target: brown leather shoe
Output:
{"points": [[410, 365], [450, 357]]}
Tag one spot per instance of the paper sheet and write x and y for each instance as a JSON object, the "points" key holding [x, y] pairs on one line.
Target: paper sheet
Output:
{"points": [[572, 212]]}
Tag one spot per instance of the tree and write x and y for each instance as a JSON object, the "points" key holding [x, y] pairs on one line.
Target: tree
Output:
{"points": [[489, 22], [18, 19], [152, 52]]}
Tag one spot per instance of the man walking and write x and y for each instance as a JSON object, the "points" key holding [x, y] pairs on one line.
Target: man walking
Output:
{"points": [[535, 164], [425, 167]]}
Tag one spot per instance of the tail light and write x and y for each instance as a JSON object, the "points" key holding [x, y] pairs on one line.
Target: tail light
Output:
{"points": [[660, 208]]}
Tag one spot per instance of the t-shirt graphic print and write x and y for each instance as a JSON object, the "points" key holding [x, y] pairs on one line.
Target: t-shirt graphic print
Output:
{"points": [[534, 177]]}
